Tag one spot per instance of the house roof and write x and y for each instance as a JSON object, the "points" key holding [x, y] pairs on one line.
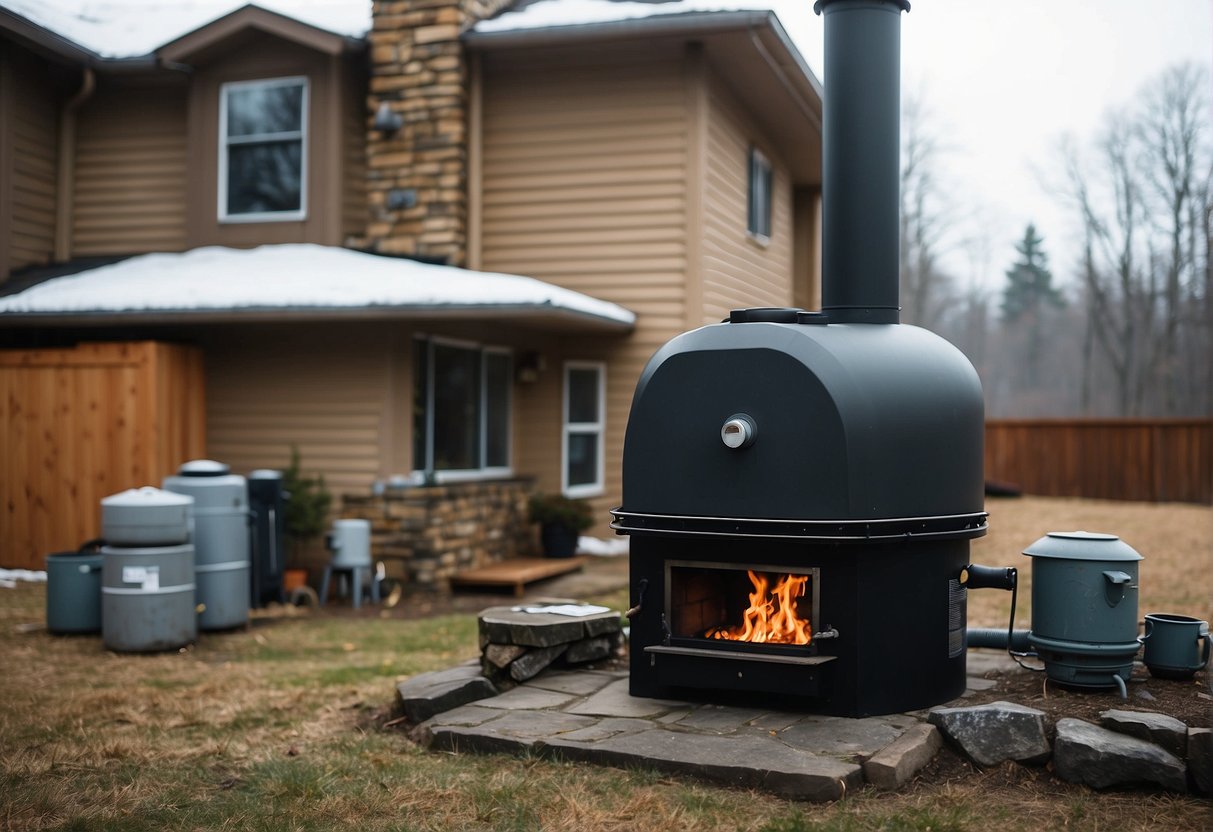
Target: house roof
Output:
{"points": [[301, 282]]}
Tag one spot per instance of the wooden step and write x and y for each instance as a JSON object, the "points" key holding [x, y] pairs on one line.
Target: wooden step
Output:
{"points": [[518, 572]]}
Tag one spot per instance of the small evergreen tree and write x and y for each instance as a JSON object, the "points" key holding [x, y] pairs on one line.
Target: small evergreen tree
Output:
{"points": [[307, 507], [1029, 282]]}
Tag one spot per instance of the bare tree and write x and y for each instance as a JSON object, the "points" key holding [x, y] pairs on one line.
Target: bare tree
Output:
{"points": [[924, 222], [1143, 201]]}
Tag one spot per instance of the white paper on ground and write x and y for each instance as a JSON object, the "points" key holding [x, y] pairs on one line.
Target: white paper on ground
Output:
{"points": [[575, 610]]}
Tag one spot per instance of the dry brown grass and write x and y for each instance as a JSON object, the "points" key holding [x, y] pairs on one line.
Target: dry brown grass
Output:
{"points": [[278, 728]]}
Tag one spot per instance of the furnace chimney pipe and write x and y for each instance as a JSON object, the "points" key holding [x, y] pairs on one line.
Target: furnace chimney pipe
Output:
{"points": [[861, 160]]}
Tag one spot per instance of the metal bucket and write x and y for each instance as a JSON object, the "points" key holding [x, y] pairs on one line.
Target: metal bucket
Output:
{"points": [[73, 592], [147, 598]]}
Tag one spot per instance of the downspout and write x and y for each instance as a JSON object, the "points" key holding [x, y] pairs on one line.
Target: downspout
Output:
{"points": [[66, 190]]}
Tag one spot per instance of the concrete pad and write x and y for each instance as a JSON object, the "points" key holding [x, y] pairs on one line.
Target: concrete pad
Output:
{"points": [[466, 716], [614, 700], [513, 733], [752, 762], [581, 683], [851, 739], [524, 698], [896, 765], [719, 719], [607, 728]]}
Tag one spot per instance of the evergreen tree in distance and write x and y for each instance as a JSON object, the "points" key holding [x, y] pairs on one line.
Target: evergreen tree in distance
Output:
{"points": [[1029, 282]]}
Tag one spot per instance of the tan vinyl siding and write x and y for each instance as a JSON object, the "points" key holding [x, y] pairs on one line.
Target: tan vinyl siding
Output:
{"points": [[584, 186], [271, 387], [130, 172], [33, 137], [738, 270]]}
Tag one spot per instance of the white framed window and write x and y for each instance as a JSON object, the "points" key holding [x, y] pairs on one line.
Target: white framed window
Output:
{"points": [[758, 201], [461, 409], [263, 150], [584, 428]]}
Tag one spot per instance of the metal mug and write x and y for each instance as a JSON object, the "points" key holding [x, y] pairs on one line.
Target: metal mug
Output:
{"points": [[1176, 646]]}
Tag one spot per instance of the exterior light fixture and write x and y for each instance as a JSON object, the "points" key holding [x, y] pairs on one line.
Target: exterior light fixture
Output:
{"points": [[387, 121]]}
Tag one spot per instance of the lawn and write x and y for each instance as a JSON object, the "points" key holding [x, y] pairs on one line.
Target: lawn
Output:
{"points": [[282, 727]]}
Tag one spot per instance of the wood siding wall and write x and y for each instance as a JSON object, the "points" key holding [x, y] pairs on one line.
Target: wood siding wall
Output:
{"points": [[585, 185], [739, 270], [80, 424], [276, 386], [131, 171], [30, 162], [1157, 461]]}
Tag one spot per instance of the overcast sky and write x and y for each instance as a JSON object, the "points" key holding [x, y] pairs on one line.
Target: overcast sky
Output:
{"points": [[1004, 79]]}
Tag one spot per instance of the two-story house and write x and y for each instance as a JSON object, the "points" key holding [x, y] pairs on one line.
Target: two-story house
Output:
{"points": [[426, 235]]}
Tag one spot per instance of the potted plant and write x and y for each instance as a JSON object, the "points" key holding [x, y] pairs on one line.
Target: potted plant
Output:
{"points": [[306, 512], [561, 521]]}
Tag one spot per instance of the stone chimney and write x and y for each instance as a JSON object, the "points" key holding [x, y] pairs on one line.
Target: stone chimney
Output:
{"points": [[417, 173]]}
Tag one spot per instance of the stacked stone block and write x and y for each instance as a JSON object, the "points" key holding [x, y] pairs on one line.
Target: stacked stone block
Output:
{"points": [[516, 645], [426, 535]]}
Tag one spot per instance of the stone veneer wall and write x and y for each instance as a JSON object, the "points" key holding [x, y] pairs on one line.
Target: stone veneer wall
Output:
{"points": [[418, 66], [427, 534]]}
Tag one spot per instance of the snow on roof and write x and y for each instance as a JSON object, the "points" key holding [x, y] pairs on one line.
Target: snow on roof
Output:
{"points": [[295, 277], [551, 13], [130, 28]]}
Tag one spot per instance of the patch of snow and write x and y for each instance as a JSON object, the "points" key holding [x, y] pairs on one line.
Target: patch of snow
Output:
{"points": [[602, 548], [130, 28], [292, 276], [10, 577], [546, 13]]}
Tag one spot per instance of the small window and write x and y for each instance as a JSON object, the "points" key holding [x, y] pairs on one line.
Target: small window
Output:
{"points": [[461, 408], [758, 212], [584, 422], [262, 150]]}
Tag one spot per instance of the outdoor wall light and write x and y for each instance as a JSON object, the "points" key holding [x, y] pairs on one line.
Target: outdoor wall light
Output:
{"points": [[529, 366], [387, 121]]}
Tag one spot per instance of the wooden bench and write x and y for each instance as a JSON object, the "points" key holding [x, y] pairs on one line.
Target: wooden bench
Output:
{"points": [[517, 572]]}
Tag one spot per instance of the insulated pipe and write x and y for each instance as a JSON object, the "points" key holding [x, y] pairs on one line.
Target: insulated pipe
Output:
{"points": [[861, 152], [996, 637]]}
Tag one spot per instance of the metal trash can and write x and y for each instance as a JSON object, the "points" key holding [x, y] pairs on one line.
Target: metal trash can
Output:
{"points": [[73, 592], [268, 506], [147, 598], [220, 538], [146, 517]]}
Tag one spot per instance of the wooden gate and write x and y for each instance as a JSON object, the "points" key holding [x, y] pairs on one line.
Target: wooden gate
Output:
{"points": [[80, 424]]}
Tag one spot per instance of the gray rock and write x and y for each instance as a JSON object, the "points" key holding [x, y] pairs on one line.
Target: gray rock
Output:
{"points": [[894, 766], [427, 694], [1085, 753], [742, 761], [513, 733], [719, 719], [535, 660], [588, 650], [990, 734], [500, 655], [606, 728], [1200, 760], [614, 700], [1159, 729]]}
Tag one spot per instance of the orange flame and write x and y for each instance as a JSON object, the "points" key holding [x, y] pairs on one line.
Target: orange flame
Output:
{"points": [[772, 616]]}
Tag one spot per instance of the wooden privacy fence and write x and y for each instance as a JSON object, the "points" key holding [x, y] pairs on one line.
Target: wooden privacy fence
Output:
{"points": [[1159, 460], [80, 424]]}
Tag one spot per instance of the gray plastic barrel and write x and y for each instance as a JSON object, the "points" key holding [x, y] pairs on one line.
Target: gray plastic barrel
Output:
{"points": [[147, 598], [145, 517], [73, 592], [221, 540]]}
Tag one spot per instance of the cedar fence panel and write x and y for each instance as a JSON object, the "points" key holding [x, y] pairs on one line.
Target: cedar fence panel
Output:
{"points": [[80, 424], [1154, 460]]}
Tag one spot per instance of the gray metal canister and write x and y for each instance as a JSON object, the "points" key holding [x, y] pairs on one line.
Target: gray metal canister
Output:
{"points": [[220, 538], [147, 598], [73, 592], [1084, 607]]}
